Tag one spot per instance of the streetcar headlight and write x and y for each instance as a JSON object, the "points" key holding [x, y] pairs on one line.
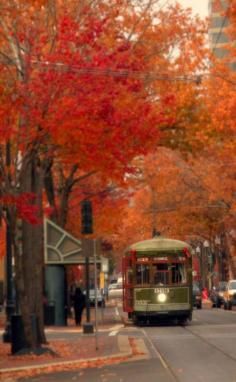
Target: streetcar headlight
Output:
{"points": [[162, 297]]}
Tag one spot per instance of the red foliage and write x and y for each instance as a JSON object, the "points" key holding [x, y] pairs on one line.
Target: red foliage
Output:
{"points": [[24, 203]]}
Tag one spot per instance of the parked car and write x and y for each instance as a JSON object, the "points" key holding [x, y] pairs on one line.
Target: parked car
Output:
{"points": [[217, 294], [230, 295], [100, 297], [197, 296], [115, 291]]}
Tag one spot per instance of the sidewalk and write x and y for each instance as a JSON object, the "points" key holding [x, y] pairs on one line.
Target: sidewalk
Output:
{"points": [[73, 349]]}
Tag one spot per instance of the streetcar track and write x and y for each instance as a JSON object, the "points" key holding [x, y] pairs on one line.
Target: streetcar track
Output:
{"points": [[191, 333], [210, 343], [159, 355]]}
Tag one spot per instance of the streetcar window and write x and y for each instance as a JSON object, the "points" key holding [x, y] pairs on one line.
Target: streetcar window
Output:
{"points": [[178, 273], [142, 274], [129, 276], [161, 274]]}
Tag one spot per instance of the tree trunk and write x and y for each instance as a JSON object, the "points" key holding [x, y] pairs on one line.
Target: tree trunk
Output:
{"points": [[30, 261], [49, 187]]}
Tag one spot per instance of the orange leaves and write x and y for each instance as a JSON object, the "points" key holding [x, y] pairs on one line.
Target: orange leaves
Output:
{"points": [[178, 197], [134, 347], [69, 356], [87, 89], [100, 83]]}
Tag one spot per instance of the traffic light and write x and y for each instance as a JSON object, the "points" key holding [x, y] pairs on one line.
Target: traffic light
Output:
{"points": [[86, 217]]}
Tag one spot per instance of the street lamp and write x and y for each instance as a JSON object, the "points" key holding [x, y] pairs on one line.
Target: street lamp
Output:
{"points": [[219, 257], [207, 263], [198, 253]]}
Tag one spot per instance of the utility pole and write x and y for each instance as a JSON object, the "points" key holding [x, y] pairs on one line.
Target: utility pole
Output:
{"points": [[95, 289]]}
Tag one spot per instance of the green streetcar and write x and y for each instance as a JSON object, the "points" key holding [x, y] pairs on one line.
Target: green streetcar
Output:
{"points": [[157, 280]]}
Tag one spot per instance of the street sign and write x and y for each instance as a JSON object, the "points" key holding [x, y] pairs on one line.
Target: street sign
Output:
{"points": [[104, 264], [102, 280]]}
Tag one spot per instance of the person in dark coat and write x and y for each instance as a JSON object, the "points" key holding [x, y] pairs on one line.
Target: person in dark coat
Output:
{"points": [[79, 305]]}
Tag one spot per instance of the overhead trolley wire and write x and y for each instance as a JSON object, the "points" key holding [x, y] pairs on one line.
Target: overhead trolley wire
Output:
{"points": [[127, 73], [119, 72]]}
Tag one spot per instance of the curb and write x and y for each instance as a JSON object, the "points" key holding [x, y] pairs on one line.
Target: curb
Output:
{"points": [[127, 353], [59, 330]]}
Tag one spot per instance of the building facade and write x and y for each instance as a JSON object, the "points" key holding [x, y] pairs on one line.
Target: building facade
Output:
{"points": [[217, 30]]}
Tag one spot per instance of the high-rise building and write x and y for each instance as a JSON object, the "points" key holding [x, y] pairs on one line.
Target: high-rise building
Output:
{"points": [[218, 25], [219, 40]]}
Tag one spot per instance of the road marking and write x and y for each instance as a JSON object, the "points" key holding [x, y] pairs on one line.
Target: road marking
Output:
{"points": [[116, 327], [113, 333]]}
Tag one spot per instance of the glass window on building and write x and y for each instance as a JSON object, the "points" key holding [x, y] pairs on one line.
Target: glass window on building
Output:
{"points": [[221, 52], [219, 22], [215, 7], [219, 38]]}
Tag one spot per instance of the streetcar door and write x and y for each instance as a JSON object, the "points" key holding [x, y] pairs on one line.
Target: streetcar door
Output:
{"points": [[128, 283]]}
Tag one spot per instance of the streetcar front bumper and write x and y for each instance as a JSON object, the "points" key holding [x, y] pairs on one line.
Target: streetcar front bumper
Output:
{"points": [[164, 310]]}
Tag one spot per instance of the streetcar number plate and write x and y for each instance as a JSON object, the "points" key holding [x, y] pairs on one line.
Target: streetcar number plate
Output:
{"points": [[161, 290]]}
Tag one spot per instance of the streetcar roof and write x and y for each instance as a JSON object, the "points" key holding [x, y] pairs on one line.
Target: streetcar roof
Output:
{"points": [[159, 244]]}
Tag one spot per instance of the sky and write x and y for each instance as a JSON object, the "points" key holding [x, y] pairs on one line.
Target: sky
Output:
{"points": [[198, 6]]}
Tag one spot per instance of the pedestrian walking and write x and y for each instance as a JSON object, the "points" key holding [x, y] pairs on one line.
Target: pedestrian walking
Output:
{"points": [[79, 305]]}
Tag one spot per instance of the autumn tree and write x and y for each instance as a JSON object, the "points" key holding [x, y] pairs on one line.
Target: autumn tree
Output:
{"points": [[84, 90], [48, 78], [187, 199]]}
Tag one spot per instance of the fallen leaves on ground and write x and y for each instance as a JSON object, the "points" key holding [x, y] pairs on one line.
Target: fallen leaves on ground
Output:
{"points": [[133, 345], [58, 368], [74, 352], [78, 348]]}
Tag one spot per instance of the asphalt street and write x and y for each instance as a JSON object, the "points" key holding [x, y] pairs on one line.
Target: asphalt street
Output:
{"points": [[204, 351], [139, 371]]}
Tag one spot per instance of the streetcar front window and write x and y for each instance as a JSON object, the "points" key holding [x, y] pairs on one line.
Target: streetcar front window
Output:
{"points": [[161, 274], [178, 273], [142, 274], [169, 273]]}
